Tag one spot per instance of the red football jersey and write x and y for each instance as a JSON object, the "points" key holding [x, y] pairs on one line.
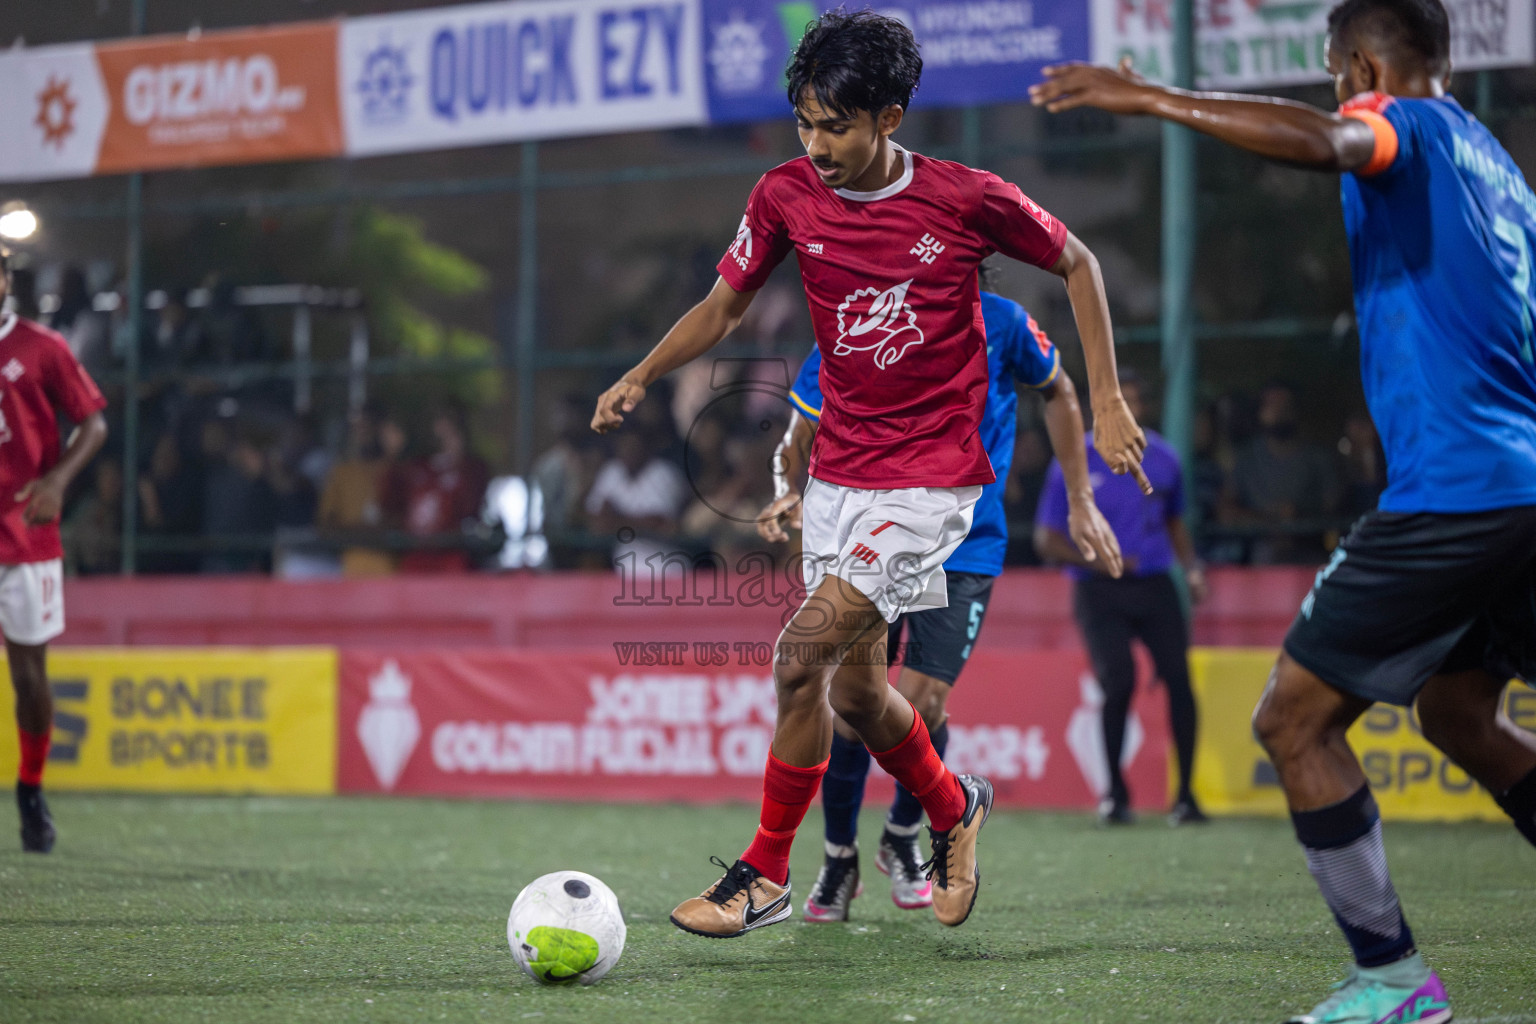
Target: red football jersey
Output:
{"points": [[39, 376], [891, 281]]}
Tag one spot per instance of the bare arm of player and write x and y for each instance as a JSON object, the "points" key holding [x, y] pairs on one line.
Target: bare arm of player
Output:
{"points": [[700, 330], [45, 495], [1279, 129], [1184, 549], [1090, 531], [790, 461], [1115, 433]]}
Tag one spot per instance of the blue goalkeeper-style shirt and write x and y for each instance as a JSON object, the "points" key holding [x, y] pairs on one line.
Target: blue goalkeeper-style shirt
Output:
{"points": [[1441, 229], [1017, 350]]}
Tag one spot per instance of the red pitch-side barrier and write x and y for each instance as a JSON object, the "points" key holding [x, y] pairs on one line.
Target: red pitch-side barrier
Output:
{"points": [[582, 726], [577, 686], [1030, 609]]}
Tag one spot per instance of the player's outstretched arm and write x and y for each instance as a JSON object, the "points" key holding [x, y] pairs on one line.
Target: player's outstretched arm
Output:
{"points": [[700, 330], [1115, 433], [1279, 129], [45, 495], [790, 460], [1090, 531]]}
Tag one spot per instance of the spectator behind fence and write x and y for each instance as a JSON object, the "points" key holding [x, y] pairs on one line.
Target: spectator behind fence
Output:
{"points": [[238, 506], [1365, 465], [564, 472], [432, 498], [727, 487], [352, 498], [1281, 480], [95, 524], [87, 331], [170, 506], [636, 498], [1026, 479]]}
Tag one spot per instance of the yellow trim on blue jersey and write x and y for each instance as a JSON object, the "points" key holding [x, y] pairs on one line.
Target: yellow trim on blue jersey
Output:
{"points": [[1055, 371], [813, 413]]}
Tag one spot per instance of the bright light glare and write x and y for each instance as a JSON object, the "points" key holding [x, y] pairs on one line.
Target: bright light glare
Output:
{"points": [[18, 224]]}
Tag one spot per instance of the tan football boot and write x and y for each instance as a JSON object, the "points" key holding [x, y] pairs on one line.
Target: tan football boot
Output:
{"points": [[741, 901], [956, 874]]}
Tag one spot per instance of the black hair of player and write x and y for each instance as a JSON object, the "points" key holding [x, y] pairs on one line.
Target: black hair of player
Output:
{"points": [[5, 262], [853, 61], [1418, 30]]}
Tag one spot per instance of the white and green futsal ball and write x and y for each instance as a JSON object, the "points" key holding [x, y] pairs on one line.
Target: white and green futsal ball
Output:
{"points": [[565, 927]]}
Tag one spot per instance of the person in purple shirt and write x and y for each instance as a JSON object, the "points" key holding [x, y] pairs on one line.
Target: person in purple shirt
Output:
{"points": [[1142, 604]]}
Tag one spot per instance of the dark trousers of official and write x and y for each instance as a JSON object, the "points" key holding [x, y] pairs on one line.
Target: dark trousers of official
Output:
{"points": [[1111, 613]]}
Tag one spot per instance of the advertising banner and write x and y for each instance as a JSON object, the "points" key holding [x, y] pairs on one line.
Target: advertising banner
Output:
{"points": [[693, 722], [973, 52], [218, 98], [1247, 44], [1412, 781], [504, 72], [188, 720]]}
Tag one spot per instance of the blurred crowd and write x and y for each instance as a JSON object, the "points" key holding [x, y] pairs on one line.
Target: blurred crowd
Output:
{"points": [[231, 479]]}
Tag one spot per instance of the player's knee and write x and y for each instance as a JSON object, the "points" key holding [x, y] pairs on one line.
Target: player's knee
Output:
{"points": [[929, 696], [798, 681], [1281, 723], [856, 704]]}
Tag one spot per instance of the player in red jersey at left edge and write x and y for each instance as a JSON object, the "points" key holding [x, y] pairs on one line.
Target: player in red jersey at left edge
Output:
{"points": [[39, 378], [889, 243]]}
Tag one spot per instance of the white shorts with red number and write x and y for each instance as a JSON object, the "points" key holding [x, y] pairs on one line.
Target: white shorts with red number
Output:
{"points": [[890, 544], [32, 601]]}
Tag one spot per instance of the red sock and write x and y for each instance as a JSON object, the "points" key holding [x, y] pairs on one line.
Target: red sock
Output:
{"points": [[915, 764], [34, 752], [787, 795]]}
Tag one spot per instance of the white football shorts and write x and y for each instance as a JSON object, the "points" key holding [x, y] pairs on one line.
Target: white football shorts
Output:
{"points": [[32, 601], [890, 544]]}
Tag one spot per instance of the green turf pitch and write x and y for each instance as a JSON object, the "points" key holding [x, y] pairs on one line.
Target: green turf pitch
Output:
{"points": [[235, 910]]}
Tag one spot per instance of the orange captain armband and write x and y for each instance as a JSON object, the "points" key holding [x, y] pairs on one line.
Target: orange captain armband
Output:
{"points": [[1385, 150]]}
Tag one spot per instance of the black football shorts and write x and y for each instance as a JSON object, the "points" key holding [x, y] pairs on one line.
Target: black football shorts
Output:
{"points": [[1410, 595], [939, 641]]}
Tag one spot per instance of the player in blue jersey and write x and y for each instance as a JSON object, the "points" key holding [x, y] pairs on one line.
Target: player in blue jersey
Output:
{"points": [[938, 641], [1430, 597]]}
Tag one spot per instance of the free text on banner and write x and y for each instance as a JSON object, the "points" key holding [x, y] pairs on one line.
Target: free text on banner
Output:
{"points": [[696, 728], [219, 98], [504, 72], [1412, 781], [189, 720], [1246, 44], [974, 51]]}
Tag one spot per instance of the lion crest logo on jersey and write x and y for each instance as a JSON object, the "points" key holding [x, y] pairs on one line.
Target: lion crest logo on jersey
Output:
{"points": [[887, 325], [741, 249]]}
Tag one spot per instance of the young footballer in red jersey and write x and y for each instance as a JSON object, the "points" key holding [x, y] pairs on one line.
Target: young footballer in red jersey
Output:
{"points": [[39, 377], [889, 243]]}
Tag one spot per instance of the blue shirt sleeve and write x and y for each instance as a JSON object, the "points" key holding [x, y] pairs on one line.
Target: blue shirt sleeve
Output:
{"points": [[1053, 500], [805, 393], [1027, 352]]}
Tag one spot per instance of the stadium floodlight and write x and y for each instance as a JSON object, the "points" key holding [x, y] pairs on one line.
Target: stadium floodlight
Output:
{"points": [[17, 223]]}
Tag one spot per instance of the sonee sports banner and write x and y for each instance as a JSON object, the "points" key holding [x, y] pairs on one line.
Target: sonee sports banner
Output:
{"points": [[188, 720]]}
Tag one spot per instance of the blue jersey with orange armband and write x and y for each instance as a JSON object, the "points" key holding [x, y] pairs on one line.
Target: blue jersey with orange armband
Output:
{"points": [[1017, 350], [1441, 227]]}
